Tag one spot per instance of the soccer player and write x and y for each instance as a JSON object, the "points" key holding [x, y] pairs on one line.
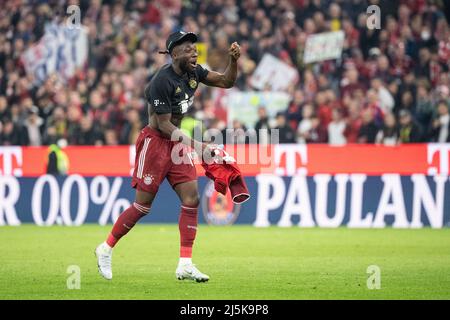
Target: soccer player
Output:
{"points": [[169, 95]]}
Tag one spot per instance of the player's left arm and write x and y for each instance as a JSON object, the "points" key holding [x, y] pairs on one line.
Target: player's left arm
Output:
{"points": [[228, 78]]}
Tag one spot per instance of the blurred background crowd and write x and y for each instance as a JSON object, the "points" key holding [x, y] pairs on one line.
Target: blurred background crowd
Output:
{"points": [[392, 85]]}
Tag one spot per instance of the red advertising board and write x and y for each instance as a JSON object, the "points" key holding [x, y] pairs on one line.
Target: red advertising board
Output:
{"points": [[252, 159]]}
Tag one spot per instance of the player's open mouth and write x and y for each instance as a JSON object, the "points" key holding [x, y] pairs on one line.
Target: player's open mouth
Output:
{"points": [[193, 64]]}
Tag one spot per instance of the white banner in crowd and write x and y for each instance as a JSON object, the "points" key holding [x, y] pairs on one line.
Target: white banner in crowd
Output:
{"points": [[324, 46], [273, 74], [243, 106], [61, 50]]}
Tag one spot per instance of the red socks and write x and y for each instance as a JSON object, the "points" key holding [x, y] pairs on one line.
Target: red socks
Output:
{"points": [[187, 225], [125, 222]]}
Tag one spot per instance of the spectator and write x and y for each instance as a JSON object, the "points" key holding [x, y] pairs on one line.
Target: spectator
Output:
{"points": [[441, 125], [34, 127], [384, 96], [423, 67], [424, 107], [336, 129], [383, 69], [50, 136], [12, 134], [350, 83], [369, 129], [407, 102], [306, 124], [58, 121], [324, 108], [132, 127], [410, 131], [373, 104], [262, 126], [354, 122], [443, 93], [73, 124], [4, 111], [317, 134], [88, 134], [110, 138], [293, 113], [388, 134], [285, 132]]}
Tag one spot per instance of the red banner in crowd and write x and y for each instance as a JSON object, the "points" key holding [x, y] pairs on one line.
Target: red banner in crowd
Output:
{"points": [[286, 159]]}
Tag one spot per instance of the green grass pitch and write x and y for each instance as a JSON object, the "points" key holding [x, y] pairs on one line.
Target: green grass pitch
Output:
{"points": [[243, 262]]}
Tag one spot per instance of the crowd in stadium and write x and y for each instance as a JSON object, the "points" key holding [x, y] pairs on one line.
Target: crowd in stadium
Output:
{"points": [[392, 85]]}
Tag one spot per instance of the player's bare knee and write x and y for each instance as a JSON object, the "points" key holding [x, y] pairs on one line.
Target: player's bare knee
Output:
{"points": [[191, 201], [144, 198]]}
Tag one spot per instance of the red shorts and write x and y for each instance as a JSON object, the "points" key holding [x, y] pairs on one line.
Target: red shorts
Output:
{"points": [[157, 158]]}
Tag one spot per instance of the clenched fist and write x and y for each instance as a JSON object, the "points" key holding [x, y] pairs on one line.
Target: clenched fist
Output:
{"points": [[235, 51]]}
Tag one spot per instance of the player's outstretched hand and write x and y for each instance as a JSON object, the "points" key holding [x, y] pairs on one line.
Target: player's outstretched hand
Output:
{"points": [[235, 51]]}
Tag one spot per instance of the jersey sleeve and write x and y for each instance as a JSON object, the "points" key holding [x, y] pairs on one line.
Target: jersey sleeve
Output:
{"points": [[158, 96], [202, 73]]}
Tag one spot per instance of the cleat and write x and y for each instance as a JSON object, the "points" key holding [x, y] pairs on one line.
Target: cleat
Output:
{"points": [[190, 272], [104, 260]]}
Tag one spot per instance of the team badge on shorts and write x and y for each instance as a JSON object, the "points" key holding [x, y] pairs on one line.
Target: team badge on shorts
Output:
{"points": [[217, 208], [148, 179], [193, 83]]}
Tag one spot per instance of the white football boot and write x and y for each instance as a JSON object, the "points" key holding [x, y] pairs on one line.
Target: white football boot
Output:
{"points": [[190, 272], [104, 260]]}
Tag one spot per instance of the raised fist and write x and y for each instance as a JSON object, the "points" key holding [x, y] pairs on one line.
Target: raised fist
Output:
{"points": [[235, 51]]}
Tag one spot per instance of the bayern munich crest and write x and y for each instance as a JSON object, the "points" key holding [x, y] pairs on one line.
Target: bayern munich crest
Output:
{"points": [[148, 179], [217, 208]]}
